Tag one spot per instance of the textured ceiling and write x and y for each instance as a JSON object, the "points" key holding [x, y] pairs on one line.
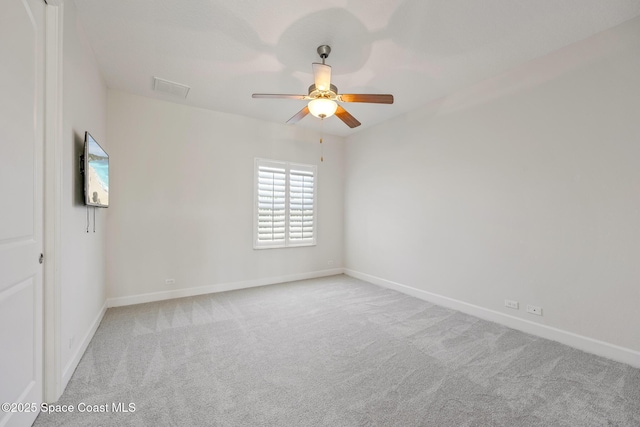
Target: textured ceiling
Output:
{"points": [[418, 50]]}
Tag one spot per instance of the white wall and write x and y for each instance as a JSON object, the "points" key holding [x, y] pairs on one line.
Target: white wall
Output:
{"points": [[182, 199], [82, 254], [525, 187]]}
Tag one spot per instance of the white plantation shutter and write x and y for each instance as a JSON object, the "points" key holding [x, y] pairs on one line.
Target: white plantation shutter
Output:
{"points": [[271, 204], [285, 199], [301, 204]]}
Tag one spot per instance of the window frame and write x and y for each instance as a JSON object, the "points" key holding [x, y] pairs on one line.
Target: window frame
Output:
{"points": [[287, 242]]}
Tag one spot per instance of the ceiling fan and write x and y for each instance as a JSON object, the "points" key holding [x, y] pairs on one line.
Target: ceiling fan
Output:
{"points": [[323, 95]]}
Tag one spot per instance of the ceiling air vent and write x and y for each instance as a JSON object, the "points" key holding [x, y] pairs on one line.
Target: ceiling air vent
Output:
{"points": [[175, 89]]}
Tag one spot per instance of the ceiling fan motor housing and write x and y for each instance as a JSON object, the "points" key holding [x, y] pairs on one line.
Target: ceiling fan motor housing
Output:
{"points": [[332, 93]]}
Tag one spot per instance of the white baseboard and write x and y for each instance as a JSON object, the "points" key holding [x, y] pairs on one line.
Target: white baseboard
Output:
{"points": [[600, 348], [73, 363], [220, 287]]}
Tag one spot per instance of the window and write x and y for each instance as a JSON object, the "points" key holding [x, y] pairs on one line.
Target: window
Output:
{"points": [[285, 204]]}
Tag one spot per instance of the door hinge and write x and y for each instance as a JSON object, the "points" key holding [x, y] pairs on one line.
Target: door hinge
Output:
{"points": [[41, 259]]}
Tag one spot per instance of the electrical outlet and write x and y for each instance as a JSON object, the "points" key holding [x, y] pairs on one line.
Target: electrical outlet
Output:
{"points": [[511, 304], [169, 281], [534, 310], [330, 262], [71, 340]]}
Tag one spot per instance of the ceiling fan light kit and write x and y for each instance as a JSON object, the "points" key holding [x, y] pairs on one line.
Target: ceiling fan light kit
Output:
{"points": [[322, 107], [323, 95]]}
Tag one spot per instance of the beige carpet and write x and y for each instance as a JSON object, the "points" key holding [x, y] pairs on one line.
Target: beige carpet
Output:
{"points": [[335, 352]]}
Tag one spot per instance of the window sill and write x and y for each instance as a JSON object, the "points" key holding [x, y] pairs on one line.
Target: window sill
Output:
{"points": [[291, 245]]}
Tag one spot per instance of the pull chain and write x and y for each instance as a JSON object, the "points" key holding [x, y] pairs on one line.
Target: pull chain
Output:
{"points": [[321, 133]]}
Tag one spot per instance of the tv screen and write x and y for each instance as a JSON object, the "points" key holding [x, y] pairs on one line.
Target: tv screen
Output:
{"points": [[96, 173]]}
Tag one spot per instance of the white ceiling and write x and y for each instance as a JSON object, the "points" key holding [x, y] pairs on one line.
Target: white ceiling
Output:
{"points": [[418, 50]]}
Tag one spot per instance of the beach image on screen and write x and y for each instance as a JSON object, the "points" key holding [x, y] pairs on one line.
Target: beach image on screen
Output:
{"points": [[98, 174]]}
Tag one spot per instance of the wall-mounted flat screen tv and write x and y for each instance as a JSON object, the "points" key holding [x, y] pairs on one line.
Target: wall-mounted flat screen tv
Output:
{"points": [[96, 173]]}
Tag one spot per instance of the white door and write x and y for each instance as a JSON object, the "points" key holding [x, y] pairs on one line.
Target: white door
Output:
{"points": [[21, 145]]}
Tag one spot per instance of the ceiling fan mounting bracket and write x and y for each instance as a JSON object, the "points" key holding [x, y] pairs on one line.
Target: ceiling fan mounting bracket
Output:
{"points": [[324, 51]]}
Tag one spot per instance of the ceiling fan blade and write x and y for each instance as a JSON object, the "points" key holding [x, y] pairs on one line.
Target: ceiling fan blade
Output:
{"points": [[373, 98], [299, 115], [322, 76], [278, 95], [347, 118]]}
